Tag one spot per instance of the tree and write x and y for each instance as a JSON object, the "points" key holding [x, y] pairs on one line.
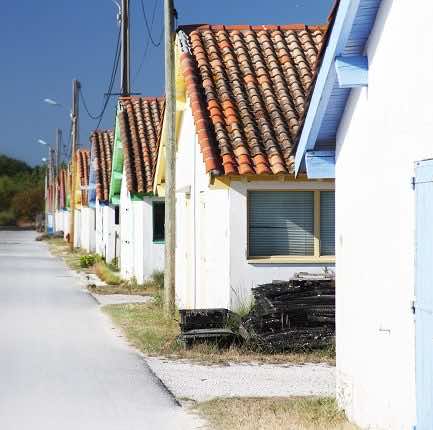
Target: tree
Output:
{"points": [[28, 203]]}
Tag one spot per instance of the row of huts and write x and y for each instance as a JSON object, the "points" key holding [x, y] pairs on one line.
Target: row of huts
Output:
{"points": [[297, 147]]}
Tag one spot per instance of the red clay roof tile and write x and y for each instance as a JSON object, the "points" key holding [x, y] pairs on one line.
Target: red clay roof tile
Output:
{"points": [[140, 124], [249, 87], [102, 151], [83, 160]]}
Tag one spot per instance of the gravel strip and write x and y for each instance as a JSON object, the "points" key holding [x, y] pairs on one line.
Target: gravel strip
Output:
{"points": [[120, 299], [198, 382]]}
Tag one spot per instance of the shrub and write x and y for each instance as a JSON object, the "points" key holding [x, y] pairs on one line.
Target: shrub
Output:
{"points": [[88, 260], [158, 278], [114, 265], [7, 218]]}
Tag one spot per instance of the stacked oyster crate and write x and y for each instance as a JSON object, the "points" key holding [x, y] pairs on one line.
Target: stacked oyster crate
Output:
{"points": [[292, 315]]}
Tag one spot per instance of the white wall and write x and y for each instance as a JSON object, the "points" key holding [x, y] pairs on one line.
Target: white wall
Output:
{"points": [[66, 221], [99, 229], [77, 228], [246, 275], [202, 270], [386, 128], [126, 233], [211, 235], [148, 255], [111, 234], [58, 223], [87, 229]]}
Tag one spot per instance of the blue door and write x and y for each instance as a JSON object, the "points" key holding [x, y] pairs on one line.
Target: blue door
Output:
{"points": [[424, 294]]}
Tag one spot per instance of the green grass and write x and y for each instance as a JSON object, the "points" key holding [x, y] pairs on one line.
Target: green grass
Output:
{"points": [[146, 327], [296, 413], [106, 274]]}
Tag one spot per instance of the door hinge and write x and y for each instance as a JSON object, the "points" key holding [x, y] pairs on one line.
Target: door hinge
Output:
{"points": [[413, 307], [413, 182]]}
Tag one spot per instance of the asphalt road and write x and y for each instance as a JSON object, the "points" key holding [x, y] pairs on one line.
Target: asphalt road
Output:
{"points": [[61, 366]]}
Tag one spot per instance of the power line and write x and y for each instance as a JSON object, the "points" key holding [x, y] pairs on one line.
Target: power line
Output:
{"points": [[146, 48], [149, 30], [110, 86]]}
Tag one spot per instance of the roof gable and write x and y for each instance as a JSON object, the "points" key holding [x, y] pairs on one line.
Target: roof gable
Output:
{"points": [[101, 160], [249, 89], [140, 122], [352, 25]]}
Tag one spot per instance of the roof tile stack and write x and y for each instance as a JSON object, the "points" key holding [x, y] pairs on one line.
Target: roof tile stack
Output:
{"points": [[249, 89], [140, 124], [102, 154]]}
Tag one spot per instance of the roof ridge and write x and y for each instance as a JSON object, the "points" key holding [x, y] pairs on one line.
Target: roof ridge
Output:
{"points": [[188, 28]]}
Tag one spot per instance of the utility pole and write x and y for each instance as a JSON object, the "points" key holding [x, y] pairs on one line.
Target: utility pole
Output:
{"points": [[57, 166], [74, 138], [125, 72], [170, 169]]}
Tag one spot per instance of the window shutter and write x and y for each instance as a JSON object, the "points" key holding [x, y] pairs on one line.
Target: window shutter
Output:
{"points": [[281, 223], [327, 223]]}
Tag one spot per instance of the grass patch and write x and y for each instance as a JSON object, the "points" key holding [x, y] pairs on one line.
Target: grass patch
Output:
{"points": [[60, 248], [297, 413], [106, 274], [146, 327], [146, 289]]}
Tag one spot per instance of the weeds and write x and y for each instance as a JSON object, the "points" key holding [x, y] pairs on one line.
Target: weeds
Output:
{"points": [[306, 413], [106, 275], [147, 328], [88, 260]]}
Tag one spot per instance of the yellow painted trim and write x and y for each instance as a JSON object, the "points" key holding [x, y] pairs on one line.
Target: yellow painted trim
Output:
{"points": [[219, 183], [160, 190], [276, 178], [180, 107], [291, 260]]}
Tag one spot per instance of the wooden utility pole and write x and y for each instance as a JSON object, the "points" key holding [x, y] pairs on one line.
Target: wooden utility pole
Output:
{"points": [[57, 166], [74, 138], [170, 168], [125, 54]]}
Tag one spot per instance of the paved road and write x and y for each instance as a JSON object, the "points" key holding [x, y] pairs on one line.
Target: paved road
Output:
{"points": [[60, 365]]}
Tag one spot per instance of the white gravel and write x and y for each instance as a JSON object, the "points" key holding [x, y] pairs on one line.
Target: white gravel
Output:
{"points": [[198, 382], [120, 299]]}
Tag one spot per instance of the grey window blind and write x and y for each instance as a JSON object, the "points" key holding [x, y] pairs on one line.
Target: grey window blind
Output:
{"points": [[327, 223], [281, 223]]}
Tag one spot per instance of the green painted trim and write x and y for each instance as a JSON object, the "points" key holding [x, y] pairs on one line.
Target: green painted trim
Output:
{"points": [[158, 241], [115, 201], [138, 197], [117, 165]]}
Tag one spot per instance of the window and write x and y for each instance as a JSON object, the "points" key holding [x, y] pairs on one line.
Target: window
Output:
{"points": [[158, 221], [298, 224]]}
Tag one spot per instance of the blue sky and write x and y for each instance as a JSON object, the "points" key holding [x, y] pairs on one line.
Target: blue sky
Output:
{"points": [[45, 44]]}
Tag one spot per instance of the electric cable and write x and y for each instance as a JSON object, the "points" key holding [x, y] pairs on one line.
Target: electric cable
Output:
{"points": [[148, 28], [146, 48], [110, 86]]}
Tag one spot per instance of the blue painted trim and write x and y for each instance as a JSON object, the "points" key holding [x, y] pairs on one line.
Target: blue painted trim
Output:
{"points": [[326, 78], [320, 164], [352, 72]]}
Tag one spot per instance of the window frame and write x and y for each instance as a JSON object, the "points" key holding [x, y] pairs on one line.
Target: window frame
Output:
{"points": [[155, 203], [272, 259]]}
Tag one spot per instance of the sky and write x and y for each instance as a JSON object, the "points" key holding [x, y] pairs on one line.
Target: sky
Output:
{"points": [[45, 44]]}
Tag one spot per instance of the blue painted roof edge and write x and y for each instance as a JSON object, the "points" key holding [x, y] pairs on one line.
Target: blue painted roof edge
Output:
{"points": [[340, 33]]}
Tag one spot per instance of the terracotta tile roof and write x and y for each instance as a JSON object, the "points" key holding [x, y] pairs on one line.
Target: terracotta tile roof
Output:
{"points": [[102, 154], [249, 88], [83, 159], [62, 179], [140, 123]]}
